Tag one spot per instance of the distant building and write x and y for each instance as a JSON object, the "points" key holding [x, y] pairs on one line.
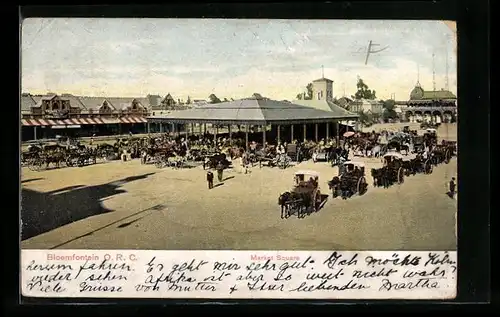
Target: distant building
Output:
{"points": [[366, 106], [430, 106], [343, 102]]}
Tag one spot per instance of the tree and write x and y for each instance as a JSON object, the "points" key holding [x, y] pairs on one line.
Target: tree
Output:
{"points": [[213, 99], [188, 101], [363, 91], [225, 100], [308, 95], [389, 112], [309, 88], [366, 118]]}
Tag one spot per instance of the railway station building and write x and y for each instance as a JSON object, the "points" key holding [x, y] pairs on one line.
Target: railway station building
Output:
{"points": [[438, 106]]}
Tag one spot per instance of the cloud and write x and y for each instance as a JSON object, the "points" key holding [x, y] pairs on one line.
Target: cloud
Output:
{"points": [[231, 58]]}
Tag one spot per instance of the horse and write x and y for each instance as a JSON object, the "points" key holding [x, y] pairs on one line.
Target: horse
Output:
{"points": [[56, 158], [283, 202], [333, 185], [380, 177]]}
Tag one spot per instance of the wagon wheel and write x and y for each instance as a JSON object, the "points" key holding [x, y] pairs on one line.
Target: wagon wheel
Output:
{"points": [[69, 162], [447, 156], [314, 200], [35, 165], [401, 175], [361, 187], [318, 200], [428, 167], [80, 162], [158, 161]]}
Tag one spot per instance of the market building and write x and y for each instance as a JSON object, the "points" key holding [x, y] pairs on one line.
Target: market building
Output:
{"points": [[276, 120]]}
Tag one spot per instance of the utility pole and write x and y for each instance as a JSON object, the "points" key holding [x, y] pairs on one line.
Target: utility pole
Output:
{"points": [[446, 79], [370, 51], [433, 73]]}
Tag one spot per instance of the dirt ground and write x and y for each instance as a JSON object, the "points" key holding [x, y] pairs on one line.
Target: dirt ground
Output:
{"points": [[126, 205]]}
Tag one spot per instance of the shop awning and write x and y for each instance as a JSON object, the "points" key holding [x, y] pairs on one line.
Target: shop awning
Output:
{"points": [[81, 121]]}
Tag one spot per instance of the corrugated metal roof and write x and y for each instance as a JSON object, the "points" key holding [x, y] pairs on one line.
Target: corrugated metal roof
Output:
{"points": [[254, 110], [325, 105], [27, 102], [439, 94]]}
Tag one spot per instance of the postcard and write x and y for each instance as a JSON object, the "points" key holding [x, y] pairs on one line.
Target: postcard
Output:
{"points": [[238, 158]]}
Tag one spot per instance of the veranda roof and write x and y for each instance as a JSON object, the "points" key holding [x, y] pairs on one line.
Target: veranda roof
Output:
{"points": [[254, 110]]}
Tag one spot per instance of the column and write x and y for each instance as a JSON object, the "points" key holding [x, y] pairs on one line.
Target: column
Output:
{"points": [[192, 128], [338, 129], [305, 132], [200, 127], [34, 132], [279, 133], [204, 128], [246, 137], [327, 130], [291, 133], [263, 135], [316, 132], [215, 133], [148, 127], [230, 133]]}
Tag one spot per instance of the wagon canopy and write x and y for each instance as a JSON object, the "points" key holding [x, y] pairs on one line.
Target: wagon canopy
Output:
{"points": [[307, 172], [393, 154], [358, 164]]}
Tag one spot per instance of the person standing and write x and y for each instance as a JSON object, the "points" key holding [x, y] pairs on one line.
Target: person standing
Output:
{"points": [[210, 179], [452, 188], [220, 171]]}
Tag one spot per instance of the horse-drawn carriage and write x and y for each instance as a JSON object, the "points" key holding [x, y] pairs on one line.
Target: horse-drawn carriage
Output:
{"points": [[212, 160], [418, 142], [441, 153], [293, 151], [393, 163], [351, 180], [322, 154], [304, 197], [281, 160]]}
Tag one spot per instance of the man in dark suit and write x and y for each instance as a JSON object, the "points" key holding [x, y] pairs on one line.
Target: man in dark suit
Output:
{"points": [[210, 179]]}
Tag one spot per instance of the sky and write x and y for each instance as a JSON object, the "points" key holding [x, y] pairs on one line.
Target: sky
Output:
{"points": [[232, 58]]}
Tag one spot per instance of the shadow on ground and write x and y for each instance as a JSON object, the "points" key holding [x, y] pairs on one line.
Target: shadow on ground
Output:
{"points": [[43, 212]]}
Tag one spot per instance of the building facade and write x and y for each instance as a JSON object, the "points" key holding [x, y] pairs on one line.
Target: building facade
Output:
{"points": [[366, 106], [322, 89], [430, 106], [45, 116]]}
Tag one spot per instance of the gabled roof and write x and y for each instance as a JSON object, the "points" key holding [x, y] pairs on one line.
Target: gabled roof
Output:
{"points": [[254, 111], [27, 102], [93, 103]]}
